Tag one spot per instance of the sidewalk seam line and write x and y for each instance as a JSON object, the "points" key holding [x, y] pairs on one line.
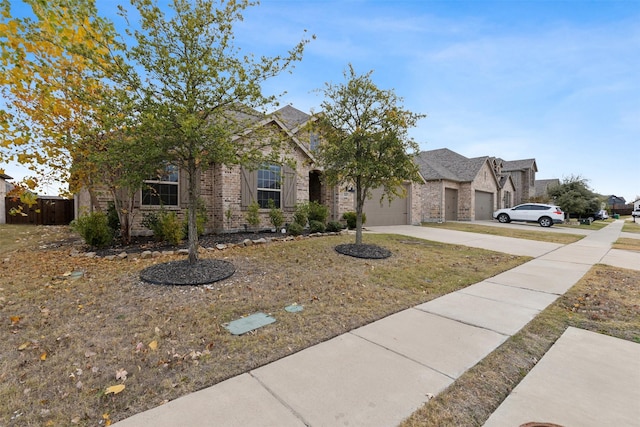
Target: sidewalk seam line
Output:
{"points": [[279, 399], [404, 356]]}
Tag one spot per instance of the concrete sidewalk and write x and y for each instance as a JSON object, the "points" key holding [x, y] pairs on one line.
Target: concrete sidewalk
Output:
{"points": [[379, 374]]}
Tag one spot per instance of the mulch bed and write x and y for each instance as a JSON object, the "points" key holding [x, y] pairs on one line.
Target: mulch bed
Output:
{"points": [[203, 272], [363, 251]]}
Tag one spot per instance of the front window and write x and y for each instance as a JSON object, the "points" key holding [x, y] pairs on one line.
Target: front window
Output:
{"points": [[162, 190], [314, 141], [269, 186]]}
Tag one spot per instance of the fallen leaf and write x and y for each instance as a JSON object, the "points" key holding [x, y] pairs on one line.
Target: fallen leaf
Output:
{"points": [[89, 353], [43, 356], [115, 389], [15, 320], [153, 345], [121, 374], [23, 346]]}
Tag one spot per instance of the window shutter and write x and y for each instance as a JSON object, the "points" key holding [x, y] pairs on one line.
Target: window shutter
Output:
{"points": [[183, 188], [248, 186], [289, 188]]}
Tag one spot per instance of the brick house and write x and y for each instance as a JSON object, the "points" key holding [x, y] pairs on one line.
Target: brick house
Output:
{"points": [[463, 189], [227, 191]]}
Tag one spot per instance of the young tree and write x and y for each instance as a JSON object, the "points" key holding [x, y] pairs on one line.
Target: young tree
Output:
{"points": [[365, 141], [198, 92], [574, 196]]}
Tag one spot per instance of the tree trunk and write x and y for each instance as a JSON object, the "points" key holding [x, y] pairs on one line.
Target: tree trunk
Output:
{"points": [[193, 213], [359, 207]]}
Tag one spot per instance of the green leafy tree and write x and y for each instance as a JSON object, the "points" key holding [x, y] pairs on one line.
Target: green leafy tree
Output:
{"points": [[197, 91], [365, 139], [574, 196]]}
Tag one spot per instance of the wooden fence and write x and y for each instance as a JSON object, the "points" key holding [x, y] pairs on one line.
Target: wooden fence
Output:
{"points": [[46, 211]]}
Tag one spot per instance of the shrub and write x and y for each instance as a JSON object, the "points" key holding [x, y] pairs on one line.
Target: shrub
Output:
{"points": [[295, 229], [165, 226], [350, 218], [252, 216], [318, 212], [316, 226], [172, 228], [275, 215], [301, 214], [94, 229], [334, 226], [151, 221]]}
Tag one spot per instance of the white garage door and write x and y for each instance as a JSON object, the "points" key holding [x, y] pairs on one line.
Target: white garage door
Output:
{"points": [[385, 214]]}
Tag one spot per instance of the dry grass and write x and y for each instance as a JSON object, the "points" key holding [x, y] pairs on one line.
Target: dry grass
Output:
{"points": [[627, 244], [539, 235], [66, 339], [606, 300], [631, 226]]}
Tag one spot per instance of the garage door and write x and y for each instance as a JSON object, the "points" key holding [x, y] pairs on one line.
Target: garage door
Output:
{"points": [[484, 205], [385, 214]]}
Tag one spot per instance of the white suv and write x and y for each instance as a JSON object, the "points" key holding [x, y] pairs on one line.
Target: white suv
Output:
{"points": [[545, 215]]}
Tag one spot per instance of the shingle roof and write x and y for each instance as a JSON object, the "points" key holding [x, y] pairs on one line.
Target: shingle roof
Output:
{"points": [[446, 164], [4, 176], [515, 165], [290, 116]]}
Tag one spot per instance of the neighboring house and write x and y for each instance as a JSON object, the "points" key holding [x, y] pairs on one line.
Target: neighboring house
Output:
{"points": [[461, 189], [541, 186], [523, 174], [615, 202], [4, 187], [636, 205]]}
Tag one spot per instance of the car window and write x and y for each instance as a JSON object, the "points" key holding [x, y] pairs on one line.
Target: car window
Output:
{"points": [[523, 208]]}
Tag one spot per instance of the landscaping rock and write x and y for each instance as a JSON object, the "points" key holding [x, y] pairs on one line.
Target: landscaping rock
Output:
{"points": [[90, 254], [123, 255], [247, 242], [221, 246], [260, 241], [146, 254], [156, 254], [183, 252]]}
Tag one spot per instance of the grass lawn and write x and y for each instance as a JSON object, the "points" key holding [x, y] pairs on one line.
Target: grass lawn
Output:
{"points": [[75, 326], [631, 227], [562, 238], [605, 300]]}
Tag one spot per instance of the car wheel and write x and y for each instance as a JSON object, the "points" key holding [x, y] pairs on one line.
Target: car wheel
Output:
{"points": [[503, 218], [545, 221]]}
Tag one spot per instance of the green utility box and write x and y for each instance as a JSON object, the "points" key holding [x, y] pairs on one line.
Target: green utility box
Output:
{"points": [[585, 221]]}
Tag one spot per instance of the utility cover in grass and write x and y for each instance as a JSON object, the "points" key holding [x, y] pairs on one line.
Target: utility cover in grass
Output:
{"points": [[203, 272], [363, 251], [249, 323]]}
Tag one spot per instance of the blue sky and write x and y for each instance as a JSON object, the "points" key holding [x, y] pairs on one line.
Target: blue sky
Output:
{"points": [[558, 81]]}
